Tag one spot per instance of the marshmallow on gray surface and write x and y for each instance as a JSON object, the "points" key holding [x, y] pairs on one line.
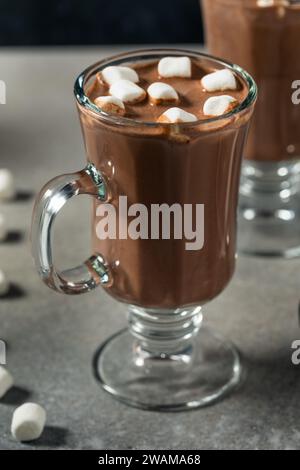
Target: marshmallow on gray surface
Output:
{"points": [[127, 91], [110, 104], [28, 422], [6, 381], [176, 115], [4, 284], [175, 67], [219, 81], [161, 92], [7, 185], [3, 229], [114, 73], [218, 105]]}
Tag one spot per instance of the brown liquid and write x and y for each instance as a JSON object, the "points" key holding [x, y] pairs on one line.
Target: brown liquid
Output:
{"points": [[151, 165], [191, 94], [264, 41]]}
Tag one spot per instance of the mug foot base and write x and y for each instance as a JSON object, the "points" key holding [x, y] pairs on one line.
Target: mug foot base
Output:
{"points": [[192, 379]]}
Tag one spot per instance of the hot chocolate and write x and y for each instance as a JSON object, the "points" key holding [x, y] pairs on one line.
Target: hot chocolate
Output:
{"points": [[191, 95], [164, 130], [195, 162], [263, 37]]}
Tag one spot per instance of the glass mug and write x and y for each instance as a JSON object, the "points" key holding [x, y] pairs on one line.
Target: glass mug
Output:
{"points": [[264, 40], [166, 360]]}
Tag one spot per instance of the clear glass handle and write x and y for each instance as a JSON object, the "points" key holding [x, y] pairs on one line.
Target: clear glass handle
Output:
{"points": [[52, 198]]}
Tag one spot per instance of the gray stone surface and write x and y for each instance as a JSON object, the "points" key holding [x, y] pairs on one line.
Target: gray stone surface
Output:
{"points": [[51, 338]]}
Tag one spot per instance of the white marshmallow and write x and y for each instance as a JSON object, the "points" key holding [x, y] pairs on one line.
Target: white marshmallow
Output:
{"points": [[177, 115], [114, 73], [175, 67], [265, 3], [219, 81], [7, 185], [110, 104], [4, 284], [127, 91], [3, 229], [6, 381], [218, 105], [28, 422], [160, 92]]}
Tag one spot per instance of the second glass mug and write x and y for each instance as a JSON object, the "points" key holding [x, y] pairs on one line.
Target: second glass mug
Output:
{"points": [[166, 360], [264, 39]]}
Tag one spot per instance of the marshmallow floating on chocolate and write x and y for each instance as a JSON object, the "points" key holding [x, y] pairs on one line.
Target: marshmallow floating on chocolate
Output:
{"points": [[220, 80], [110, 104], [162, 92], [127, 91], [4, 284], [6, 381], [114, 73], [3, 230], [7, 185], [175, 67], [28, 422], [176, 115], [218, 105], [265, 3]]}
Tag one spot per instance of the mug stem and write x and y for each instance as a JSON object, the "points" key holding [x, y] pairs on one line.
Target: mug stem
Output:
{"points": [[163, 336], [269, 215]]}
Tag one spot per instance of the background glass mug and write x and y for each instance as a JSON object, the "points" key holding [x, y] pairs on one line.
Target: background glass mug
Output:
{"points": [[265, 40], [164, 360]]}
